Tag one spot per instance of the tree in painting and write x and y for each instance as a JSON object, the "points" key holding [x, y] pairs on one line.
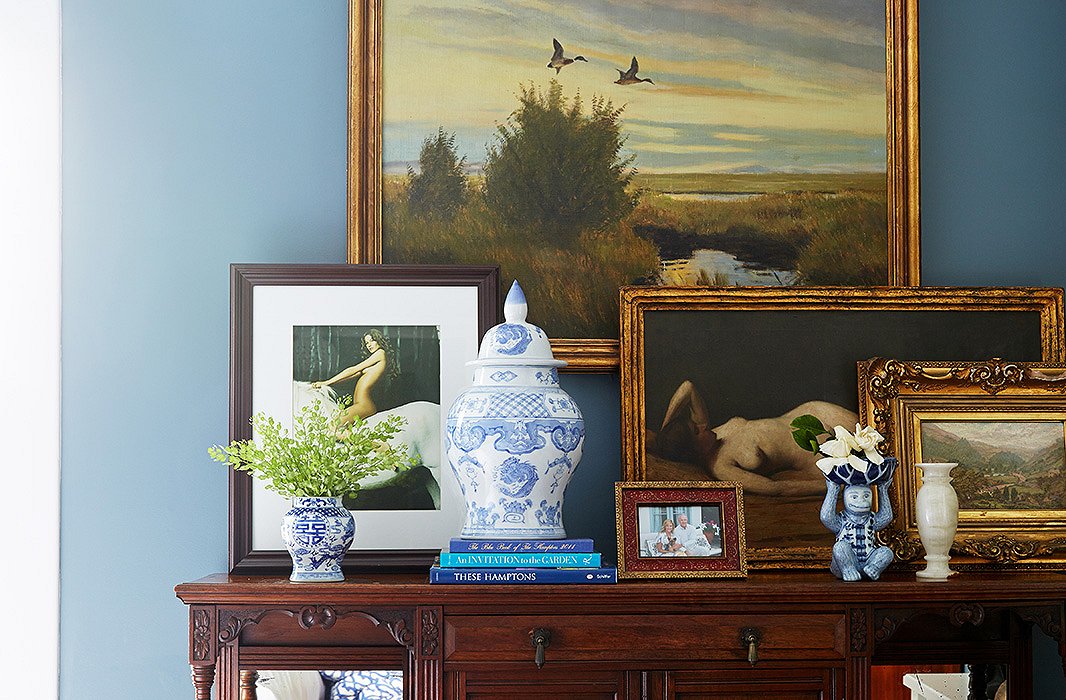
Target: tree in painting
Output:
{"points": [[438, 189], [732, 142], [557, 170]]}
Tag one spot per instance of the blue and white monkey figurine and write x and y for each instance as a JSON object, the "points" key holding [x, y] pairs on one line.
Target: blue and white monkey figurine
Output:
{"points": [[856, 552]]}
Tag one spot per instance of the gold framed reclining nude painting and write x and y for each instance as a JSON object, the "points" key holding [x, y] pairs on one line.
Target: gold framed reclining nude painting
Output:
{"points": [[712, 378], [587, 146]]}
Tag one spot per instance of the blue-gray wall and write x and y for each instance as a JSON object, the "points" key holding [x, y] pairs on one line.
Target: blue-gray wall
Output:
{"points": [[199, 132]]}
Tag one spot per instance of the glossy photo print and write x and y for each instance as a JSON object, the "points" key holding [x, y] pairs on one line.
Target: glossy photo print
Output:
{"points": [[376, 372], [586, 146], [373, 341], [680, 530]]}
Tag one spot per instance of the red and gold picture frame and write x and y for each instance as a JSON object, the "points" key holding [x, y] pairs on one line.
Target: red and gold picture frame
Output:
{"points": [[680, 529]]}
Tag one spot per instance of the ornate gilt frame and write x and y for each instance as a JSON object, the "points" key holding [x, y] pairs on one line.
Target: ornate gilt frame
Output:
{"points": [[895, 396], [597, 354], [728, 495], [637, 301]]}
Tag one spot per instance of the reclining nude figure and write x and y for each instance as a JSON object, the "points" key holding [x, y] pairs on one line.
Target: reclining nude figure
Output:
{"points": [[759, 453]]}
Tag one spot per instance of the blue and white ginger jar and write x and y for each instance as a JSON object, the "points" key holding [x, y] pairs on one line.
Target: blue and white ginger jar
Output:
{"points": [[514, 437], [317, 531]]}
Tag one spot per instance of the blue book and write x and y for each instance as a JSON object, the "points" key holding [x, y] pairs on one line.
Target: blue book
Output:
{"points": [[582, 545], [439, 574], [590, 560]]}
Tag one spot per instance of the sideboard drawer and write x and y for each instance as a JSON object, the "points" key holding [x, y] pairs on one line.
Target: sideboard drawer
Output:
{"points": [[659, 640]]}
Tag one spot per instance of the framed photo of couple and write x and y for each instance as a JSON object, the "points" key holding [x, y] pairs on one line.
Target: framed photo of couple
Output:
{"points": [[673, 529], [301, 336]]}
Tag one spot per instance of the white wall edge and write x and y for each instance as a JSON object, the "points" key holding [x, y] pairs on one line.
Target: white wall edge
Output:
{"points": [[30, 406]]}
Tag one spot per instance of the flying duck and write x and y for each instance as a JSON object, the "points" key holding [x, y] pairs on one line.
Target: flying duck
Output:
{"points": [[558, 61], [629, 77]]}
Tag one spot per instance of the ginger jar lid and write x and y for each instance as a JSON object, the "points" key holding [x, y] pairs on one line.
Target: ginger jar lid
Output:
{"points": [[515, 342]]}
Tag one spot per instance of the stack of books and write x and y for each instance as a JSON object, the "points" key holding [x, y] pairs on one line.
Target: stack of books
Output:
{"points": [[521, 561]]}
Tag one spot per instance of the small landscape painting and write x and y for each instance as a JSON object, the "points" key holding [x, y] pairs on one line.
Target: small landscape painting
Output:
{"points": [[586, 146], [1003, 465], [372, 373]]}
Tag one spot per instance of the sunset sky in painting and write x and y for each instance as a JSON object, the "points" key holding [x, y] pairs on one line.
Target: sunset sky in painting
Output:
{"points": [[740, 86]]}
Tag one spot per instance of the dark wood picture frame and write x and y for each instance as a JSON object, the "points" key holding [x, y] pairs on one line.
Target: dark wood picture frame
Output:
{"points": [[726, 496], [244, 278], [896, 397], [365, 191], [755, 353]]}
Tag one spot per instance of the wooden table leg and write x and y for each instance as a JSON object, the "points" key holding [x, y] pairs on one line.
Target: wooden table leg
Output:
{"points": [[203, 677], [248, 679]]}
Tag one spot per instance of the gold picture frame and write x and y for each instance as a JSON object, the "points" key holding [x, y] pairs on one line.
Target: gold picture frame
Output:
{"points": [[1004, 517], [365, 173], [713, 549], [748, 357]]}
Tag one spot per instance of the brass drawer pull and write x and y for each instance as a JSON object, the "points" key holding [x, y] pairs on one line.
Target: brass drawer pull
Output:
{"points": [[540, 638], [750, 637]]}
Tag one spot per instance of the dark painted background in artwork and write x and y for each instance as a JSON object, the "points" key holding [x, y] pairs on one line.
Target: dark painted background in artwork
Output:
{"points": [[760, 364], [196, 133]]}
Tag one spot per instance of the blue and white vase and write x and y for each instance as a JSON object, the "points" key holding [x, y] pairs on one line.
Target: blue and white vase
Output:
{"points": [[317, 531], [514, 437]]}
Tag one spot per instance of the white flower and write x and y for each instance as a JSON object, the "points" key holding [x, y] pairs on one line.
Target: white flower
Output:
{"points": [[866, 441], [840, 451], [841, 445]]}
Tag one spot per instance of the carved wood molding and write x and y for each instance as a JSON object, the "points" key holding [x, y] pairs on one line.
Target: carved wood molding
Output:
{"points": [[397, 621], [907, 547], [1003, 549], [1047, 617], [888, 621], [430, 632], [202, 633], [966, 613], [858, 630]]}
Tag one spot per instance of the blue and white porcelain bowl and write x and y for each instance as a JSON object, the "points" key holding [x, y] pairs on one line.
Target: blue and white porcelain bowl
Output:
{"points": [[875, 474], [514, 437]]}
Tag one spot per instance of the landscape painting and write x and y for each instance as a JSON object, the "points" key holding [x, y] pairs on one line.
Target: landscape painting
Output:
{"points": [[586, 146], [1003, 465]]}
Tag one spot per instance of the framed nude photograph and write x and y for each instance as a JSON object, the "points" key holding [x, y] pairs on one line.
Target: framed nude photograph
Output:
{"points": [[371, 341]]}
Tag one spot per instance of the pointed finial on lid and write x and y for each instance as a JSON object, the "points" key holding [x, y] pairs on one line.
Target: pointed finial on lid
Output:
{"points": [[514, 306]]}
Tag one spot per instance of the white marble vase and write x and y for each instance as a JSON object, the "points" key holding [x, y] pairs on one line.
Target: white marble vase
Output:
{"points": [[937, 512], [514, 437]]}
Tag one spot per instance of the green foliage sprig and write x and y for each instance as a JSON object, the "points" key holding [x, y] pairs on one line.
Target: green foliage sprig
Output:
{"points": [[806, 430], [321, 457]]}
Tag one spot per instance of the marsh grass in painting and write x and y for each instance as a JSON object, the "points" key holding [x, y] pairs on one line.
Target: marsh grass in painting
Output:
{"points": [[1002, 465], [756, 156]]}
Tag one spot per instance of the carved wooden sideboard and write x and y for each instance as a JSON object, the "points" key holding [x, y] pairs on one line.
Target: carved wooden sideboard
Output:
{"points": [[774, 635]]}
